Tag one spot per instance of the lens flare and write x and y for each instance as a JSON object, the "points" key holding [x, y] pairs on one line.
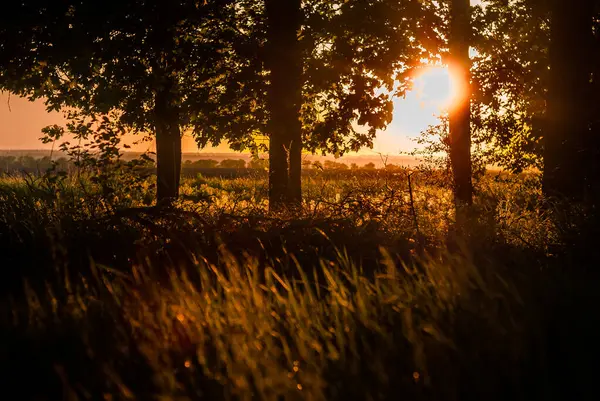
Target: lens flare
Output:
{"points": [[436, 86]]}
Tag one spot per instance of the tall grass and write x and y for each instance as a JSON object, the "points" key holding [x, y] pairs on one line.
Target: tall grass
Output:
{"points": [[240, 330], [219, 299]]}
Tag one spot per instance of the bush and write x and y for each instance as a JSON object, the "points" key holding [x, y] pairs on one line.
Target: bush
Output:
{"points": [[228, 163]]}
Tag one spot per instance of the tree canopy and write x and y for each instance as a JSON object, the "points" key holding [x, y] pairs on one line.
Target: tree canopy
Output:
{"points": [[146, 61], [355, 56], [312, 75]]}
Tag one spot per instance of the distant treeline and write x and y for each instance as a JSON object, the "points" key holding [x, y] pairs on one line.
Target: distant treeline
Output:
{"points": [[30, 164], [11, 164], [33, 165], [263, 164]]}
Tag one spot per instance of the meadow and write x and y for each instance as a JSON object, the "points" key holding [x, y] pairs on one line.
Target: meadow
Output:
{"points": [[369, 291]]}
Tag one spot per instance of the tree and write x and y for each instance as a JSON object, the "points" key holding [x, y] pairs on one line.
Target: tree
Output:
{"points": [[593, 103], [331, 165], [229, 163], [144, 60], [567, 127], [306, 164], [509, 81], [460, 112], [210, 66], [536, 85], [284, 99], [206, 163], [369, 166], [342, 64], [258, 163]]}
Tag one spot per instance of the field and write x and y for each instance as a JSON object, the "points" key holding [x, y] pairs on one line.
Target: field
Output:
{"points": [[368, 292]]}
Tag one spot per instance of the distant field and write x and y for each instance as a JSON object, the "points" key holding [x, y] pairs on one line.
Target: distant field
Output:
{"points": [[360, 160]]}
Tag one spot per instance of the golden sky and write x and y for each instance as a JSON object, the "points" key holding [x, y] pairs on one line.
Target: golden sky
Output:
{"points": [[21, 121]]}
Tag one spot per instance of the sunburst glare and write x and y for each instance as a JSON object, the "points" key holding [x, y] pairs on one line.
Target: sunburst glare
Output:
{"points": [[436, 87]]}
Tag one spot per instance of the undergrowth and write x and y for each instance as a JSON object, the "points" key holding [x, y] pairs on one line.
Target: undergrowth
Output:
{"points": [[356, 296]]}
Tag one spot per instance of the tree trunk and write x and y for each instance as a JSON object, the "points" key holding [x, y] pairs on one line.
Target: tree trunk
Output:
{"points": [[460, 113], [295, 169], [284, 62], [168, 147], [594, 103], [567, 137]]}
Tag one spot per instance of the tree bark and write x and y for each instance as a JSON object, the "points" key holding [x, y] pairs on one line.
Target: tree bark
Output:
{"points": [[568, 145], [284, 62], [168, 146], [460, 113], [594, 103]]}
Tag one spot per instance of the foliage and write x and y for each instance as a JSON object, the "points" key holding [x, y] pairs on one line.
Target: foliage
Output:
{"points": [[510, 77], [329, 164], [147, 63], [31, 164], [230, 163], [347, 62], [258, 163], [509, 82], [60, 53], [369, 165], [434, 150], [98, 156], [203, 163]]}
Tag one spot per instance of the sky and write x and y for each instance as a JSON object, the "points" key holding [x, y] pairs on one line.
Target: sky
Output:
{"points": [[21, 121]]}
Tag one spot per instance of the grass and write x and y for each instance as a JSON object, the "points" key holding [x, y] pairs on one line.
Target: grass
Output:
{"points": [[352, 298]]}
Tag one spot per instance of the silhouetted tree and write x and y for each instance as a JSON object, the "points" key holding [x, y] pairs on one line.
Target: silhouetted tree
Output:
{"points": [[338, 57], [529, 76], [258, 163], [149, 61], [460, 113], [567, 144], [369, 166], [284, 64], [331, 165], [230, 163], [392, 167], [509, 81], [207, 163]]}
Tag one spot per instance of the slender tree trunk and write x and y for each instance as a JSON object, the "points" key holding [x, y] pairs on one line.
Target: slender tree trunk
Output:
{"points": [[278, 169], [460, 114], [284, 101], [295, 169], [567, 138], [168, 146]]}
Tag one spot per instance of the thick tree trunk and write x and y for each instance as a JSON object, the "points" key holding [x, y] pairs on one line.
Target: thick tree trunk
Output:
{"points": [[284, 101], [594, 103], [567, 137], [168, 147], [460, 113]]}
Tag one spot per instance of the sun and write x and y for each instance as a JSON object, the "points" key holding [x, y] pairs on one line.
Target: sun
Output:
{"points": [[436, 87]]}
